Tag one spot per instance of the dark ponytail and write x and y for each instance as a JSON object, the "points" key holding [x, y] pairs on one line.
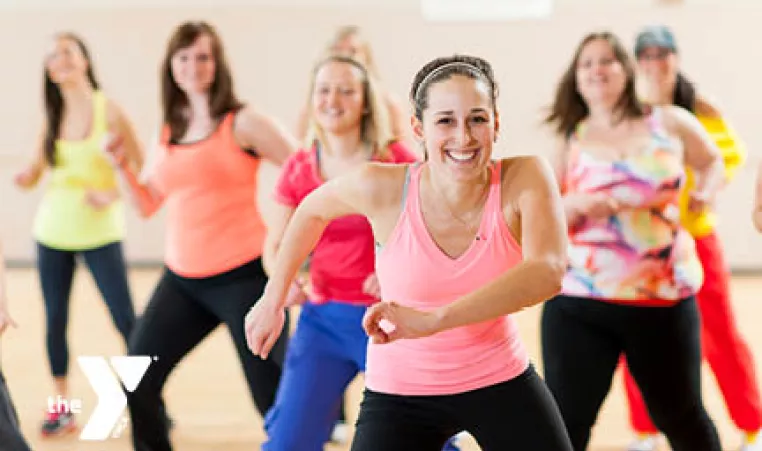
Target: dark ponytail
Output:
{"points": [[685, 93]]}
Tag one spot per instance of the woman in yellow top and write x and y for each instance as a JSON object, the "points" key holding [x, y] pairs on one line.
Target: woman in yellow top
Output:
{"points": [[81, 212], [728, 354]]}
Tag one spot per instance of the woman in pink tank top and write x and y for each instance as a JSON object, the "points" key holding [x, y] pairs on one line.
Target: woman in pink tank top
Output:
{"points": [[348, 127], [206, 174], [463, 242]]}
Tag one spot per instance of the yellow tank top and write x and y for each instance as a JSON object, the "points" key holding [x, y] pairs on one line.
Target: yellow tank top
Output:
{"points": [[64, 218]]}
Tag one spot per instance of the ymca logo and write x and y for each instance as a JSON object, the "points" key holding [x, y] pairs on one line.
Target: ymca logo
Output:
{"points": [[111, 399]]}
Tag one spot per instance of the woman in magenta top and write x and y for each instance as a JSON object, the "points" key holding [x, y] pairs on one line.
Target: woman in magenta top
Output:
{"points": [[463, 242], [348, 127]]}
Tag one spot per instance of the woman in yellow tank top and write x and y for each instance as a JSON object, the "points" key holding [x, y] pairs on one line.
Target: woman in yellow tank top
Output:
{"points": [[726, 351], [81, 213]]}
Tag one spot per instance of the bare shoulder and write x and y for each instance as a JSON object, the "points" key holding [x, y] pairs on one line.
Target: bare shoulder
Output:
{"points": [[115, 115], [675, 118], [525, 172], [376, 185], [249, 118]]}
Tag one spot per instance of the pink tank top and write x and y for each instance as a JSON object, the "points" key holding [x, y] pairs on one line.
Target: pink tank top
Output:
{"points": [[413, 271]]}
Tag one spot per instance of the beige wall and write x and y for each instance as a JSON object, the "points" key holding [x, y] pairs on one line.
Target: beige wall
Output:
{"points": [[272, 47]]}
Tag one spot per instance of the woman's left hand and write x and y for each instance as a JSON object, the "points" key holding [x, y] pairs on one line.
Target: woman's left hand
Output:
{"points": [[371, 286], [699, 202], [100, 199], [385, 322]]}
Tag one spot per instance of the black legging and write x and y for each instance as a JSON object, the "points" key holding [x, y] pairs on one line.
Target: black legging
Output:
{"points": [[180, 314], [56, 269], [582, 340], [518, 414]]}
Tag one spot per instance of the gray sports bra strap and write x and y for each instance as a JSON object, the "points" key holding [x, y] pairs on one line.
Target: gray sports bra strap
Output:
{"points": [[407, 183]]}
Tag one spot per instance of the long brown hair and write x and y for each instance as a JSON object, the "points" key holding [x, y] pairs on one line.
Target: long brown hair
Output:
{"points": [[222, 98], [375, 128], [54, 101], [569, 108]]}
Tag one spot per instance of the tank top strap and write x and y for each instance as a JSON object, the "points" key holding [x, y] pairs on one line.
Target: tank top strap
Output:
{"points": [[655, 121], [494, 201], [100, 113], [410, 198], [227, 125]]}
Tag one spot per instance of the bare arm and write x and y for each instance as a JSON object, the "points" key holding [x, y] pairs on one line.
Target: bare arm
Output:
{"points": [[146, 197], [700, 153], [31, 174], [361, 192], [277, 222], [342, 196], [544, 241], [121, 126], [757, 216], [264, 135]]}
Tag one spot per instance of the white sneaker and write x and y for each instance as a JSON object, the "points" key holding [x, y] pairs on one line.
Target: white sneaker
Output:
{"points": [[644, 442], [340, 434], [463, 435], [755, 445]]}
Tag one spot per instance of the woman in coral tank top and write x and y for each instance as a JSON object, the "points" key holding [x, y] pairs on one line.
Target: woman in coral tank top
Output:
{"points": [[206, 173], [463, 242]]}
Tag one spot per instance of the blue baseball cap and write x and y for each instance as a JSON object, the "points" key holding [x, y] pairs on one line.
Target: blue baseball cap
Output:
{"points": [[655, 36]]}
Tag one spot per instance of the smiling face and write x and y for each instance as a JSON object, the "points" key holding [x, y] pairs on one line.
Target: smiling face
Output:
{"points": [[66, 62], [338, 99], [194, 66], [601, 76], [458, 126], [658, 65]]}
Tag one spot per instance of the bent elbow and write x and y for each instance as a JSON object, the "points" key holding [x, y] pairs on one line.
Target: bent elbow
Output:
{"points": [[554, 271]]}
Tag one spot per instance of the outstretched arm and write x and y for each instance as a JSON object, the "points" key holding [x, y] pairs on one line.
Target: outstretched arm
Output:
{"points": [[355, 193], [31, 174], [537, 278], [145, 196]]}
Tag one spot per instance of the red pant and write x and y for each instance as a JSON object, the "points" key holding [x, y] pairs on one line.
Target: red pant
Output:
{"points": [[726, 351]]}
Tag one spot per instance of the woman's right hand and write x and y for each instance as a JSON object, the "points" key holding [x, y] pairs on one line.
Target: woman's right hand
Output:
{"points": [[27, 178], [263, 325], [594, 205], [114, 150]]}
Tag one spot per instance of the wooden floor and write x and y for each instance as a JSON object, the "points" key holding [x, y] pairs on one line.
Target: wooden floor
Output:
{"points": [[206, 394]]}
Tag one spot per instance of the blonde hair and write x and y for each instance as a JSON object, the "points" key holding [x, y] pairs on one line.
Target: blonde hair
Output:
{"points": [[349, 31], [375, 127]]}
